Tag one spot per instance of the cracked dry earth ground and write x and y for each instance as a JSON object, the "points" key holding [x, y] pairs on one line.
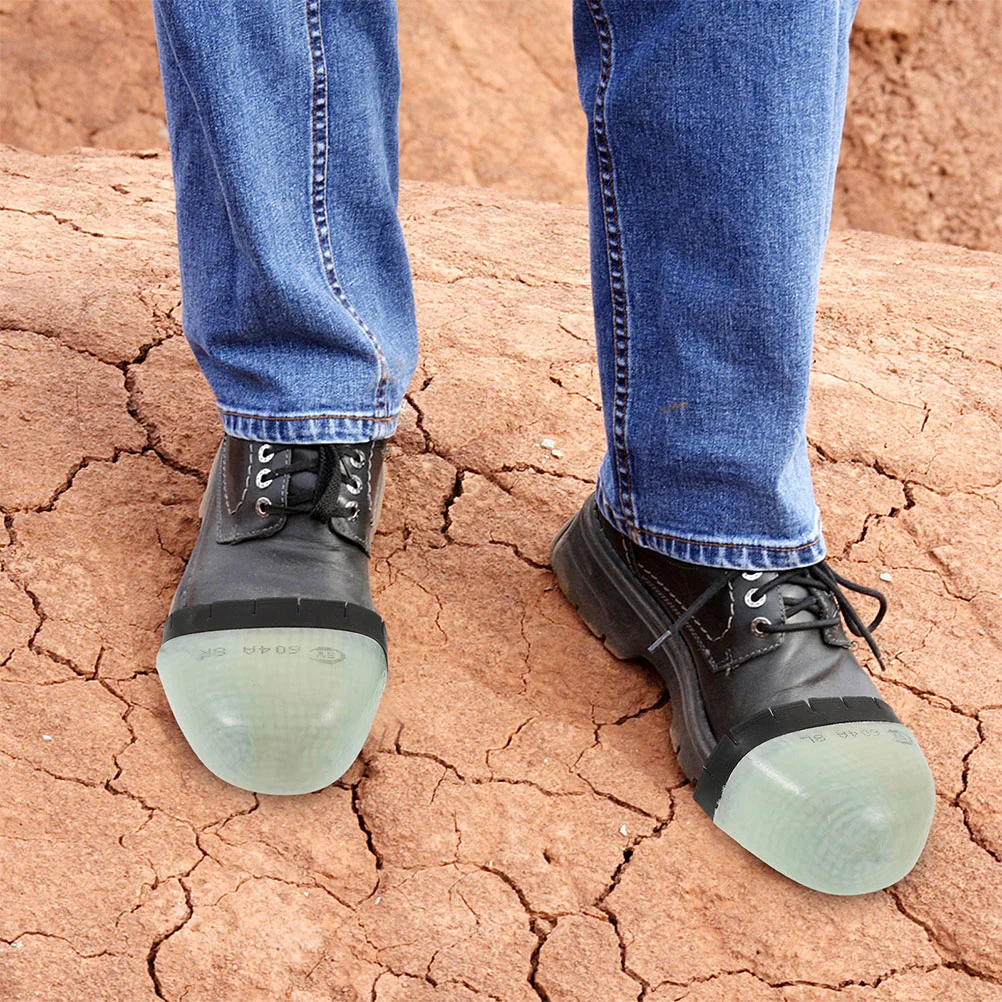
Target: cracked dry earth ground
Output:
{"points": [[517, 827]]}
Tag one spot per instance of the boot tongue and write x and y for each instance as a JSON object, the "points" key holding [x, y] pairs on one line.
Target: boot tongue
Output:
{"points": [[792, 594], [302, 486]]}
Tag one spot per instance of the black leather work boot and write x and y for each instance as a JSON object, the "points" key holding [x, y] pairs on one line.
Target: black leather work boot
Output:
{"points": [[794, 753], [273, 657]]}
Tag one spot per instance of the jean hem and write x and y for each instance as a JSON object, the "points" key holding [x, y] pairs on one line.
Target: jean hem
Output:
{"points": [[730, 554], [309, 430]]}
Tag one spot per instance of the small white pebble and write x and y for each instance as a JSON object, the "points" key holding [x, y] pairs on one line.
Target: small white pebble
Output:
{"points": [[546, 761], [622, 829], [548, 443], [376, 902], [886, 577], [306, 894], [46, 737], [556, 453]]}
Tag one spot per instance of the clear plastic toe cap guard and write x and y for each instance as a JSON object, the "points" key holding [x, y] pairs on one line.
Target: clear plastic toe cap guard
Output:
{"points": [[278, 710], [841, 808]]}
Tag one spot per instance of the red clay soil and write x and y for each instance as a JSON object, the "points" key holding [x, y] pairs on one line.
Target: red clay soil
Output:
{"points": [[490, 98], [517, 827]]}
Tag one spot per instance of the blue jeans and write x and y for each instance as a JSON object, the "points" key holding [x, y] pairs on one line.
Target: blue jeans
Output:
{"points": [[714, 130]]}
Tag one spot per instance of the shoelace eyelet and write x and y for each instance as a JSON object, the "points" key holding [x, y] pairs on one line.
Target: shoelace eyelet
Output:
{"points": [[817, 580], [260, 480], [352, 506], [261, 506], [265, 453], [354, 486], [357, 459]]}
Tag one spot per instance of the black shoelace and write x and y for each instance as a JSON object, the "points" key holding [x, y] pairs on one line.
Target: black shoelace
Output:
{"points": [[336, 468], [817, 580]]}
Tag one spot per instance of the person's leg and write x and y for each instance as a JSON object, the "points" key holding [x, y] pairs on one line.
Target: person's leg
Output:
{"points": [[296, 287], [714, 136], [714, 131], [297, 303]]}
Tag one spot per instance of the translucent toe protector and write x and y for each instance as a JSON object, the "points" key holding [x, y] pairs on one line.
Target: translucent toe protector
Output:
{"points": [[841, 808], [274, 710]]}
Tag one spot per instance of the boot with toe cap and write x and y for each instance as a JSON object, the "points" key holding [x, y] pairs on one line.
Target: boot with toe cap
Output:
{"points": [[273, 656], [793, 751]]}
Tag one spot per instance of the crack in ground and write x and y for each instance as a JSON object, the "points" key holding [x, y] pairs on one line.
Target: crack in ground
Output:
{"points": [[454, 495], [975, 837], [158, 942], [541, 924], [419, 420], [153, 438], [51, 335], [802, 983], [14, 941], [91, 785], [960, 965], [359, 812], [511, 737], [574, 393], [44, 213], [601, 901], [533, 468]]}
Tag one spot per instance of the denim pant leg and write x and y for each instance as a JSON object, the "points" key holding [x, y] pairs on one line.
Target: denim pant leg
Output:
{"points": [[714, 131], [296, 286]]}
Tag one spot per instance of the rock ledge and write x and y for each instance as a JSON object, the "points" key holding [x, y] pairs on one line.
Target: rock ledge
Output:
{"points": [[516, 828]]}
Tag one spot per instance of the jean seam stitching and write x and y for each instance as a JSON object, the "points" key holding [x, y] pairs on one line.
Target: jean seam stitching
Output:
{"points": [[761, 547], [307, 417], [631, 529], [319, 187], [614, 255]]}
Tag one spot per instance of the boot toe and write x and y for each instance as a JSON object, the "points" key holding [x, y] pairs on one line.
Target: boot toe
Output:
{"points": [[841, 808], [274, 710]]}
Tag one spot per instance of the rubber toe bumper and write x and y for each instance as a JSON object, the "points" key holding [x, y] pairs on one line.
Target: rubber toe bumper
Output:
{"points": [[274, 709], [841, 808]]}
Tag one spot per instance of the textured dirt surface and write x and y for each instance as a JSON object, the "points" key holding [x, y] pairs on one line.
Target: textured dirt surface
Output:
{"points": [[516, 828], [922, 146], [79, 73], [490, 98]]}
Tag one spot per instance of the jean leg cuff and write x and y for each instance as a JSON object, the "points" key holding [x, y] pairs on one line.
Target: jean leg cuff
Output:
{"points": [[742, 555], [308, 430]]}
